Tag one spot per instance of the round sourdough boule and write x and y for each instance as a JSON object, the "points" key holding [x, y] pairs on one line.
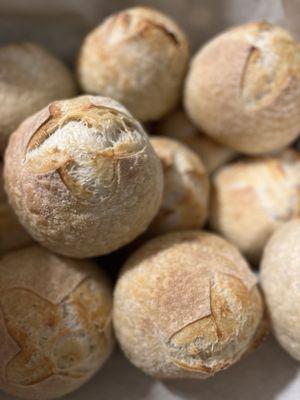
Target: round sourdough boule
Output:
{"points": [[252, 197], [280, 280], [55, 323], [83, 177], [139, 57], [186, 305], [30, 78], [177, 126], [12, 235], [186, 188], [243, 88]]}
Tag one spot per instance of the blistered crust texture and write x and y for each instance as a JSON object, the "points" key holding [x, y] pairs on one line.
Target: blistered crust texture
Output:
{"points": [[138, 57], [186, 188], [83, 177], [280, 280], [252, 197], [243, 88], [178, 126], [187, 306], [55, 323], [30, 78]]}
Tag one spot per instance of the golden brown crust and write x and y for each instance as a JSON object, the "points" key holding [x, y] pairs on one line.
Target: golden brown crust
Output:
{"points": [[177, 125], [55, 323], [250, 103], [82, 176], [252, 197], [186, 305], [132, 53], [30, 79], [186, 188]]}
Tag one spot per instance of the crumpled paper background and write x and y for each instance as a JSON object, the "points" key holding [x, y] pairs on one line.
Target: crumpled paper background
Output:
{"points": [[268, 373]]}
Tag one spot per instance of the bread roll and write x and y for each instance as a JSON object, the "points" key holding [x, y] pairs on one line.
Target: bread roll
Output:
{"points": [[252, 197], [82, 176], [187, 306], [186, 188], [280, 280], [243, 88], [139, 57], [55, 323]]}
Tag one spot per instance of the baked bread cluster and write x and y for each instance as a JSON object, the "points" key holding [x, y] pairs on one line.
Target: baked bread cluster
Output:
{"points": [[202, 193]]}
